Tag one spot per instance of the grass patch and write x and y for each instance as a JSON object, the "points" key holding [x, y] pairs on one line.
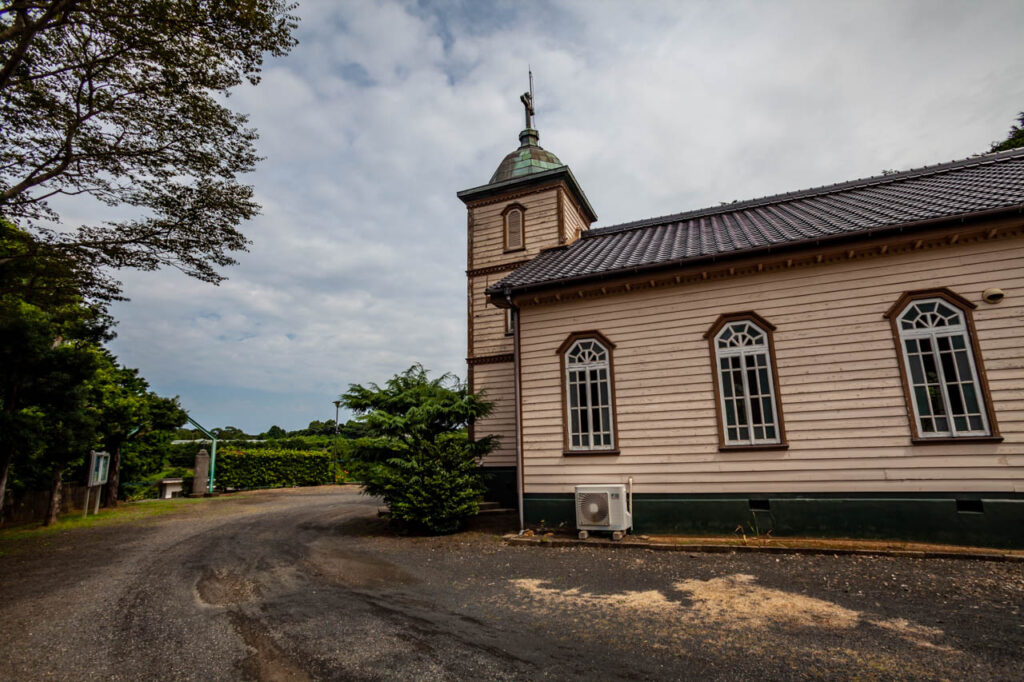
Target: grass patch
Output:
{"points": [[126, 512]]}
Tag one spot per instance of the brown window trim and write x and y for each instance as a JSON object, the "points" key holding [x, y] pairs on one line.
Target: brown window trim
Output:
{"points": [[569, 340], [504, 227], [759, 446], [946, 440], [769, 329], [967, 308]]}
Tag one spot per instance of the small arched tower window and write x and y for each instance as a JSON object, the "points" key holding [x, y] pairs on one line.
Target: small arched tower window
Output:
{"points": [[941, 366], [746, 384], [514, 228]]}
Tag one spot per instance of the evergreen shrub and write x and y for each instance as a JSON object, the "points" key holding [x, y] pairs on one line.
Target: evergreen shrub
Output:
{"points": [[416, 454]]}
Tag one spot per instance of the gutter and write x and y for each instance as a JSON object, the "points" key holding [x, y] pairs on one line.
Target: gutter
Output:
{"points": [[517, 388]]}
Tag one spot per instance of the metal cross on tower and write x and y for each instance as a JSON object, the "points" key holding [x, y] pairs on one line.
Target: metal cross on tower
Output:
{"points": [[527, 100]]}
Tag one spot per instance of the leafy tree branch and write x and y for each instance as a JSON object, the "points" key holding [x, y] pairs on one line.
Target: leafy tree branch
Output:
{"points": [[123, 101]]}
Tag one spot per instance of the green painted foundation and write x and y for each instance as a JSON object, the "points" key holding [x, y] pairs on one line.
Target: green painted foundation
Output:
{"points": [[983, 520], [501, 485]]}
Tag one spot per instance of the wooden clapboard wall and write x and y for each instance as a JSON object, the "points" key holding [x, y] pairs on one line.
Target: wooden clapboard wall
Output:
{"points": [[846, 417]]}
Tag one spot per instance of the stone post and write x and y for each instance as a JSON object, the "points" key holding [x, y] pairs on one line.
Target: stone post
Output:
{"points": [[202, 477]]}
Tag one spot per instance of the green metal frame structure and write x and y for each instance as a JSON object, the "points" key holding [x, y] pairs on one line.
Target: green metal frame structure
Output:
{"points": [[213, 451]]}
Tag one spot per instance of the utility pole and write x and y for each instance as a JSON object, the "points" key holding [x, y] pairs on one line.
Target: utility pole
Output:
{"points": [[334, 465]]}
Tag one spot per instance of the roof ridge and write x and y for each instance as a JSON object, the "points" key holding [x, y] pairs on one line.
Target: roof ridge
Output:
{"points": [[871, 181]]}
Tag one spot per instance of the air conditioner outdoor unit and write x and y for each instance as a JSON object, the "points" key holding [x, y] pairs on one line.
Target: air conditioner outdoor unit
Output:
{"points": [[602, 507]]}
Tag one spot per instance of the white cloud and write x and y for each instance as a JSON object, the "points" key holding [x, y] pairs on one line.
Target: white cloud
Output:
{"points": [[386, 109]]}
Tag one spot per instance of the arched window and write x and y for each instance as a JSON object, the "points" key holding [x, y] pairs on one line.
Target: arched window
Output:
{"points": [[514, 232], [941, 366], [746, 387], [589, 393]]}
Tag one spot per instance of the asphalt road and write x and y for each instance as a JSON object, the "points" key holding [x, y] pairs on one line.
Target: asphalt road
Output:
{"points": [[309, 584]]}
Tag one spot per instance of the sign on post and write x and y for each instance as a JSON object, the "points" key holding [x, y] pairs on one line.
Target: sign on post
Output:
{"points": [[99, 468]]}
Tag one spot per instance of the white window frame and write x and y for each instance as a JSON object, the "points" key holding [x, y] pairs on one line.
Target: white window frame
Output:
{"points": [[585, 368], [745, 353], [934, 333]]}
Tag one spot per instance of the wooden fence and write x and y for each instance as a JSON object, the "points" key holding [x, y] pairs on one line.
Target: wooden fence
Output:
{"points": [[31, 506]]}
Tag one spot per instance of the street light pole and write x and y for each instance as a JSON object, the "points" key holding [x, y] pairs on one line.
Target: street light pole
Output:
{"points": [[334, 466]]}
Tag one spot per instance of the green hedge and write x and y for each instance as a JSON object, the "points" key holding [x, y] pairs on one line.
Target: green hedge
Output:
{"points": [[263, 468], [184, 454]]}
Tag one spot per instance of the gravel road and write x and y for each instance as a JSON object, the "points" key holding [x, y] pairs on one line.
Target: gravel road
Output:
{"points": [[309, 584]]}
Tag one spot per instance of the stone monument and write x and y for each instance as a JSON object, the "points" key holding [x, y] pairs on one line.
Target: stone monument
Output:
{"points": [[202, 475]]}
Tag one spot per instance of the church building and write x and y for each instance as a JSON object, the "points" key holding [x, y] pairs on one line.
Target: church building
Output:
{"points": [[844, 360]]}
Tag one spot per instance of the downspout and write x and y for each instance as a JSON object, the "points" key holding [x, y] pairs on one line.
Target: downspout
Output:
{"points": [[518, 407]]}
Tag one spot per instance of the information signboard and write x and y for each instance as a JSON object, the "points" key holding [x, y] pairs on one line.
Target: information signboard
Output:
{"points": [[99, 466]]}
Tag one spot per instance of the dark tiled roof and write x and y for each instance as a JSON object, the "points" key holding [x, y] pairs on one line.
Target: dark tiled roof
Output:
{"points": [[979, 184]]}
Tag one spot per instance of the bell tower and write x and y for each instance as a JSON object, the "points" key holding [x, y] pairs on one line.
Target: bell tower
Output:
{"points": [[531, 203]]}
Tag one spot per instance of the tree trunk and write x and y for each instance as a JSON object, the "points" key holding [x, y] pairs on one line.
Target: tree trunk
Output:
{"points": [[55, 495], [10, 401], [5, 467], [113, 476]]}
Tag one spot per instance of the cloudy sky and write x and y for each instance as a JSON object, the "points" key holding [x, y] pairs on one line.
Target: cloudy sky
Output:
{"points": [[386, 109]]}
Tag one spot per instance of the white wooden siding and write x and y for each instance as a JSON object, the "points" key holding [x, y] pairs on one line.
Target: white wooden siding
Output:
{"points": [[573, 222], [496, 381], [489, 337], [840, 391], [540, 229]]}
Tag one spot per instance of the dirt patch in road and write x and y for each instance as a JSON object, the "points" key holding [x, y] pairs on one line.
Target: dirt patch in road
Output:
{"points": [[737, 601], [223, 588], [266, 660], [734, 603], [574, 598], [335, 560]]}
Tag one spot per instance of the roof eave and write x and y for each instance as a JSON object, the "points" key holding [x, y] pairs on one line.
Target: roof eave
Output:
{"points": [[881, 231], [562, 172]]}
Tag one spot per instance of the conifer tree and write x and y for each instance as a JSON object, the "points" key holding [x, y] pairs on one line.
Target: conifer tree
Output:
{"points": [[416, 453], [1014, 139]]}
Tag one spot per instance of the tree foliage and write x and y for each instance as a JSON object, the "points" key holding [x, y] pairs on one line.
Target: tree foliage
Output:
{"points": [[230, 433], [274, 432], [126, 409], [316, 428], [46, 362], [122, 101], [416, 453], [61, 394], [1014, 139]]}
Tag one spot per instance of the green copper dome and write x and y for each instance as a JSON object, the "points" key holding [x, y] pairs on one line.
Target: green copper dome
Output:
{"points": [[529, 158]]}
